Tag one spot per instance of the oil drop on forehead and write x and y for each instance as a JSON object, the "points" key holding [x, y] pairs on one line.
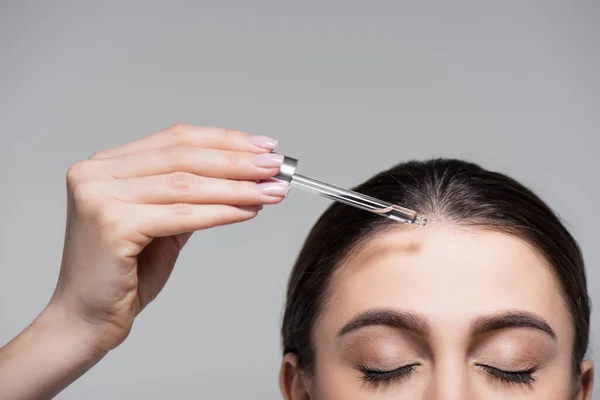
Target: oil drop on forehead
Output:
{"points": [[287, 173]]}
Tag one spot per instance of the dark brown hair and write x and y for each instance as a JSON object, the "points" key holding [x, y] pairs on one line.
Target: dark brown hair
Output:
{"points": [[457, 192]]}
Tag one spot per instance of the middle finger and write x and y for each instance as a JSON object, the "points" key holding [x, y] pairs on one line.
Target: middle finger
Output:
{"points": [[182, 187]]}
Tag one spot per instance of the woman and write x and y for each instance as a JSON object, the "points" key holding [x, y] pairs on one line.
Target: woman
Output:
{"points": [[487, 301]]}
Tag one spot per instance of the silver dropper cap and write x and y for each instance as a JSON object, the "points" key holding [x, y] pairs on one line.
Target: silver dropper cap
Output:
{"points": [[287, 169], [287, 173]]}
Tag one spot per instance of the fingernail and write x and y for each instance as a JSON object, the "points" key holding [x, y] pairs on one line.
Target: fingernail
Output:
{"points": [[251, 208], [269, 160], [264, 142], [274, 188]]}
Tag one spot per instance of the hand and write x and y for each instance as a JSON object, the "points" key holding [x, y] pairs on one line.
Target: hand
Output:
{"points": [[131, 209]]}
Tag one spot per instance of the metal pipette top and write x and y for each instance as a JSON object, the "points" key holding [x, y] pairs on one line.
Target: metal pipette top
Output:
{"points": [[287, 173]]}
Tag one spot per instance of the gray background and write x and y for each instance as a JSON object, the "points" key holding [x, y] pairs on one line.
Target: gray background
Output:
{"points": [[349, 88]]}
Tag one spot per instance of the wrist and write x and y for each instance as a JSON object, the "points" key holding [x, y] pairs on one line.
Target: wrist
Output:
{"points": [[82, 338], [50, 354]]}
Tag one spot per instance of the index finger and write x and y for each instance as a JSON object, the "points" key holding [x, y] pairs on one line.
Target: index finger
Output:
{"points": [[197, 136]]}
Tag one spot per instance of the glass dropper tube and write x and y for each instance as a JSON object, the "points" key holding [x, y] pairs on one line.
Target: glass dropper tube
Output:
{"points": [[385, 209]]}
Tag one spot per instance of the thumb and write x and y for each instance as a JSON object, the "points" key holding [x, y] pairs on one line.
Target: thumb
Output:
{"points": [[183, 239], [155, 264]]}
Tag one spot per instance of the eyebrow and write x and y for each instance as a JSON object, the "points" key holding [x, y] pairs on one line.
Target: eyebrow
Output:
{"points": [[391, 318], [511, 319], [413, 323]]}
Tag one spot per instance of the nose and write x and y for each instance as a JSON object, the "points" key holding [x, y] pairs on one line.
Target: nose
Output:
{"points": [[450, 381]]}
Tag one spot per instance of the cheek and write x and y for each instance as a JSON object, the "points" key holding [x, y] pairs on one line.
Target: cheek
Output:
{"points": [[333, 379], [332, 382], [555, 384]]}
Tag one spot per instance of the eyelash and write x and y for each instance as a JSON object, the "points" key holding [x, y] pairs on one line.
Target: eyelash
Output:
{"points": [[521, 377], [379, 377]]}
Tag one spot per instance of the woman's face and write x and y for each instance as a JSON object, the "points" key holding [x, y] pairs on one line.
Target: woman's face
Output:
{"points": [[443, 313]]}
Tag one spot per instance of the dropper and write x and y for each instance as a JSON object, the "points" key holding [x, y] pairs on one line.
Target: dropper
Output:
{"points": [[287, 173]]}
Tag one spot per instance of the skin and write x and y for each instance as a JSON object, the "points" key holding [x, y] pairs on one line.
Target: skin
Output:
{"points": [[451, 280], [131, 209]]}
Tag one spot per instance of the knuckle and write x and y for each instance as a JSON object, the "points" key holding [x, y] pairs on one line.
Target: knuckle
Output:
{"points": [[184, 137], [76, 173], [182, 210], [100, 155], [234, 134], [233, 160], [232, 137], [106, 214], [179, 129], [183, 134], [181, 183], [87, 195]]}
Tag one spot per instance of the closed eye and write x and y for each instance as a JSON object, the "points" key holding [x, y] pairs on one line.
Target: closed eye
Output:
{"points": [[377, 376], [524, 377]]}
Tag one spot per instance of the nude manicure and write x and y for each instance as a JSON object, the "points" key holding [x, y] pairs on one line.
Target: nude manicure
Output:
{"points": [[269, 160], [274, 188], [264, 142]]}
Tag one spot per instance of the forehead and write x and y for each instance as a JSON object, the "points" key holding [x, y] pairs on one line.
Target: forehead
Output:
{"points": [[449, 275]]}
